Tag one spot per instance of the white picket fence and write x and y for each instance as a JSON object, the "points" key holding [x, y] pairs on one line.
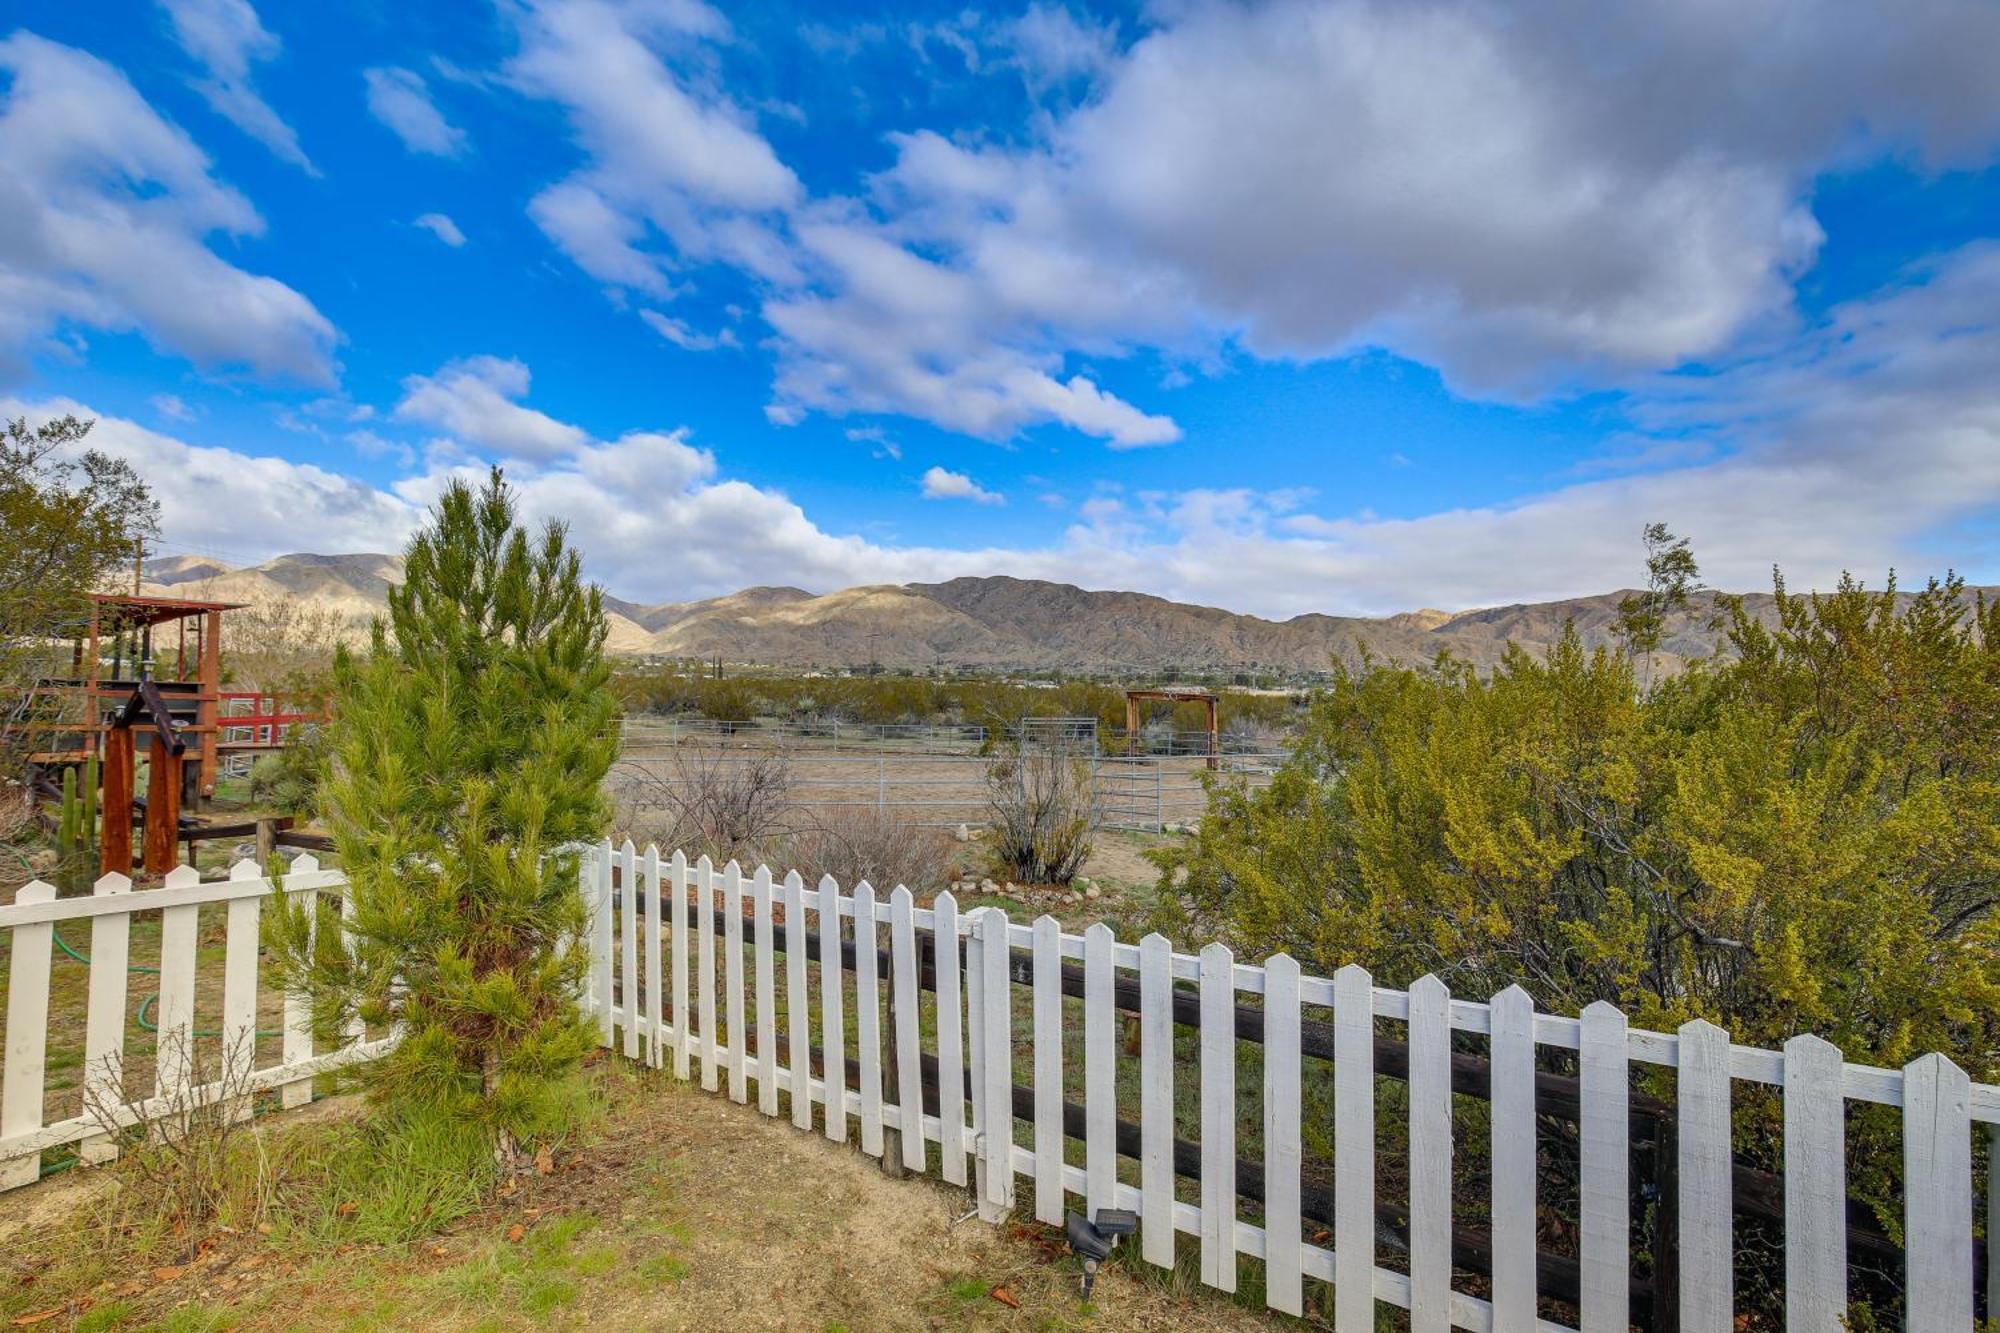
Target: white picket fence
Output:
{"points": [[33, 919], [652, 991]]}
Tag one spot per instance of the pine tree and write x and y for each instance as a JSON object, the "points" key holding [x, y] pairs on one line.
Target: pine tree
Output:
{"points": [[469, 749]]}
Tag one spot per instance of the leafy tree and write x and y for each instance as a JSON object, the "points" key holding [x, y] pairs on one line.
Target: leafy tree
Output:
{"points": [[468, 755], [1671, 575], [68, 520]]}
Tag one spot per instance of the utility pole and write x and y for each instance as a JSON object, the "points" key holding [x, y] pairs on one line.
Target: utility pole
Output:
{"points": [[138, 564]]}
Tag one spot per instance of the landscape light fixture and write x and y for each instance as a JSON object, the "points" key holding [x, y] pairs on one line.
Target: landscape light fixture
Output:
{"points": [[1093, 1241]]}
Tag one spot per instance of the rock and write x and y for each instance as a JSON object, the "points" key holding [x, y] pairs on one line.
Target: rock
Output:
{"points": [[988, 886], [1091, 891], [243, 851], [1011, 887], [964, 833]]}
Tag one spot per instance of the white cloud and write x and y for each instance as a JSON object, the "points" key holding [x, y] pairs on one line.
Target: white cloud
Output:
{"points": [[226, 36], [442, 227], [682, 335], [1527, 198], [473, 399], [104, 213], [170, 406], [400, 100], [274, 505], [1852, 447], [940, 484], [1055, 46]]}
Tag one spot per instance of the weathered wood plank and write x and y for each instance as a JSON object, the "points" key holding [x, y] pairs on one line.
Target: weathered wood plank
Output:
{"points": [[764, 964], [26, 1073], [1513, 1158], [1815, 1188], [951, 1038], [1048, 1002], [1937, 1200], [1284, 1146], [1156, 1100], [1100, 1072], [704, 875], [868, 1018], [1606, 1206], [832, 1010], [1430, 1156], [104, 1022], [1707, 1261], [798, 1002], [1218, 1117], [909, 1028], [1354, 1150]]}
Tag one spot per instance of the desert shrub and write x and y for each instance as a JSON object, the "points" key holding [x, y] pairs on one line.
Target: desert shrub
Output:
{"points": [[726, 804], [870, 844], [288, 780], [1041, 802], [1800, 836], [1804, 836]]}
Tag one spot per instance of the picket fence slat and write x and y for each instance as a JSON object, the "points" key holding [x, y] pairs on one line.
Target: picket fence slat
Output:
{"points": [[1284, 1147], [600, 939], [733, 1000], [909, 1028], [174, 1014], [1048, 1002], [951, 1053], [239, 986], [1707, 1263], [704, 927], [683, 1019], [996, 1012], [1430, 1156], [868, 1018], [21, 1083], [1937, 1165], [1354, 1150], [1156, 1100], [1100, 1070], [104, 1022], [833, 1020], [767, 1015], [656, 1016], [1218, 1117], [1605, 1206], [1815, 1188], [798, 1006], [628, 947], [1513, 1158]]}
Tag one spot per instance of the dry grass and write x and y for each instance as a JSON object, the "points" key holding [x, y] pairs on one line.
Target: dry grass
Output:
{"points": [[686, 1212]]}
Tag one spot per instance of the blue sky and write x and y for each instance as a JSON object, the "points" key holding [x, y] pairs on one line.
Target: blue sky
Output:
{"points": [[1343, 306]]}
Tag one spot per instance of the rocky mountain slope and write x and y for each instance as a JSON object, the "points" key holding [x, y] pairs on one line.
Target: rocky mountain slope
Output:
{"points": [[994, 623]]}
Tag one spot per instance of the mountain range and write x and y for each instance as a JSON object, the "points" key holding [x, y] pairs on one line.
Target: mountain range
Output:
{"points": [[993, 623]]}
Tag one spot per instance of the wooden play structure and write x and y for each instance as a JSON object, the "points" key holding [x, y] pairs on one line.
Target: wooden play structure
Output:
{"points": [[160, 695], [1134, 698]]}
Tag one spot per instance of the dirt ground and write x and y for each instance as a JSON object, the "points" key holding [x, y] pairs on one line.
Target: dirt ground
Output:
{"points": [[687, 1212]]}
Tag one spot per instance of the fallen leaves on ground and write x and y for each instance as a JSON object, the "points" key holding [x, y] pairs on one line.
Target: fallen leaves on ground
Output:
{"points": [[1005, 1297]]}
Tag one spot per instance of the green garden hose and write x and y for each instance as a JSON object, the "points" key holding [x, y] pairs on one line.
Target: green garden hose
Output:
{"points": [[143, 1014]]}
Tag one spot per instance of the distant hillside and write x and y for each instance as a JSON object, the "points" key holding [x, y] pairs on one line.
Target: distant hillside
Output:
{"points": [[996, 623]]}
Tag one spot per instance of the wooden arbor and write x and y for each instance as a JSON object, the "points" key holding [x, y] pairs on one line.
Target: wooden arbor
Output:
{"points": [[1133, 698]]}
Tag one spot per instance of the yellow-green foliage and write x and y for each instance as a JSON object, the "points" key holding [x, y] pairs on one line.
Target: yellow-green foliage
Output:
{"points": [[1802, 835]]}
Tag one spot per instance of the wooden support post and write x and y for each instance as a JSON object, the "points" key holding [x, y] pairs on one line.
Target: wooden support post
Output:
{"points": [[208, 713], [1214, 734], [1131, 725], [163, 807], [115, 851]]}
